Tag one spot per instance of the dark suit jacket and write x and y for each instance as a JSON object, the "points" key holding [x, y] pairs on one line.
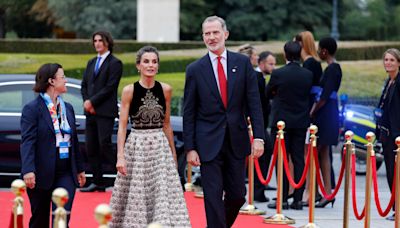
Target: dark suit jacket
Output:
{"points": [[102, 89], [204, 117], [266, 107], [394, 107], [38, 144], [290, 88]]}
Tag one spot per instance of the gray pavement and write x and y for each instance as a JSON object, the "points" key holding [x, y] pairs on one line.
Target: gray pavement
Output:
{"points": [[329, 217]]}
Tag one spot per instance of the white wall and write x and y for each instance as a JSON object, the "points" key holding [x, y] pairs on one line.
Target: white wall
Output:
{"points": [[158, 20]]}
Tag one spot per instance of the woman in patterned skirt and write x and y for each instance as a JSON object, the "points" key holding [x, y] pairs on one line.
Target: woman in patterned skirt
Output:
{"points": [[147, 188]]}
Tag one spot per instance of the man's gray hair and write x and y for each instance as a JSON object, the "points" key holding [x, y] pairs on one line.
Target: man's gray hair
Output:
{"points": [[216, 18]]}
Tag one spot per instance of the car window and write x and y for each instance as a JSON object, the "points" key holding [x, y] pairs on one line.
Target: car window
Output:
{"points": [[14, 97], [74, 97]]}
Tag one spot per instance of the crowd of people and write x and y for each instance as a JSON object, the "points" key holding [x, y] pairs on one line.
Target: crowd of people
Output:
{"points": [[222, 89]]}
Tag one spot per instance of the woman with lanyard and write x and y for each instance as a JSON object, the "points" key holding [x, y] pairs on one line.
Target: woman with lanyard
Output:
{"points": [[387, 113], [325, 111], [49, 145]]}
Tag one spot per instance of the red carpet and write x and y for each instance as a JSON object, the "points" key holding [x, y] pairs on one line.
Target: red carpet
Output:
{"points": [[85, 203]]}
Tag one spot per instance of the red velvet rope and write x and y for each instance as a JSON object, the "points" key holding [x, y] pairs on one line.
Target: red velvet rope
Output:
{"points": [[286, 165], [376, 191], [353, 189], [319, 178], [271, 167]]}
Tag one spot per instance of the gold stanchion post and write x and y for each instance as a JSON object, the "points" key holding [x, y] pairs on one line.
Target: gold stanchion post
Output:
{"points": [[103, 215], [397, 184], [349, 148], [250, 209], [18, 187], [189, 185], [60, 198], [279, 218], [312, 172], [368, 179]]}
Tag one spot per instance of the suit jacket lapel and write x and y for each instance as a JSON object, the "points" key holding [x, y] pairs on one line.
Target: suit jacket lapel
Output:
{"points": [[45, 113], [231, 73], [209, 77]]}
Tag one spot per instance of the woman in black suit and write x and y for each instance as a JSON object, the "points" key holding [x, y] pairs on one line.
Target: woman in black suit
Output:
{"points": [[387, 113], [49, 145]]}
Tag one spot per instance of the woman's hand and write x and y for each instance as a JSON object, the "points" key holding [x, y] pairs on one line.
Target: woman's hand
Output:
{"points": [[121, 165], [81, 179], [30, 180]]}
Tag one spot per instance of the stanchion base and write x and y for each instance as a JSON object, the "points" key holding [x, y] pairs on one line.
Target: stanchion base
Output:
{"points": [[189, 187], [279, 219], [251, 210], [310, 225], [199, 194]]}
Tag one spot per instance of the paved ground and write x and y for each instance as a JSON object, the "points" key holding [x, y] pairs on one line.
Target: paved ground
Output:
{"points": [[333, 217]]}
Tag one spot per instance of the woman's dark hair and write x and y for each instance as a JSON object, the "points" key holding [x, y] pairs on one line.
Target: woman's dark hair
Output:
{"points": [[45, 72], [146, 49], [329, 44], [106, 37]]}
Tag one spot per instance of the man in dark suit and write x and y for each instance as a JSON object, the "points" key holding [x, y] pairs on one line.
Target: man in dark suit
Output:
{"points": [[99, 92], [220, 87], [290, 87]]}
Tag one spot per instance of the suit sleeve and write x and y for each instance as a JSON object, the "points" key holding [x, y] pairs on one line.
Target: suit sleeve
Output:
{"points": [[29, 129], [84, 83], [78, 154], [253, 102], [115, 74], [272, 86], [189, 110]]}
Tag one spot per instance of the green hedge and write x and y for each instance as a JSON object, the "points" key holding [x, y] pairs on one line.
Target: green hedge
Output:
{"points": [[363, 53], [80, 46]]}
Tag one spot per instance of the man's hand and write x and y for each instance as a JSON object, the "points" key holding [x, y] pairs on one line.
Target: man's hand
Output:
{"points": [[30, 180], [87, 105], [81, 179], [257, 148], [192, 157]]}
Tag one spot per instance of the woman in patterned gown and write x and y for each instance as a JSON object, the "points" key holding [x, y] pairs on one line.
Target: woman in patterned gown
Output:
{"points": [[147, 188]]}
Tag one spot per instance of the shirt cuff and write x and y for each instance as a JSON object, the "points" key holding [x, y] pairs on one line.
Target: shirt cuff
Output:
{"points": [[261, 140]]}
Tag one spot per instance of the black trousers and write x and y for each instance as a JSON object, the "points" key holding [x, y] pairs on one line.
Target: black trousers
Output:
{"points": [[99, 145], [294, 142], [389, 147], [40, 200], [223, 174], [264, 162]]}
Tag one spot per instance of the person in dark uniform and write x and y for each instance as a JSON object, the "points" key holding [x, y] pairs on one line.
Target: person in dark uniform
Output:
{"points": [[290, 88], [325, 112], [99, 92], [50, 153], [387, 113]]}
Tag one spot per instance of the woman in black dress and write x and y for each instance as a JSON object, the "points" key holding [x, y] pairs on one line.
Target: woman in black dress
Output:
{"points": [[388, 121], [310, 61], [325, 111]]}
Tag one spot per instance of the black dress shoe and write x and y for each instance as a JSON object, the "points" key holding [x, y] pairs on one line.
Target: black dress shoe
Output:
{"points": [[270, 188], [93, 187], [285, 205], [296, 205], [392, 217], [261, 198]]}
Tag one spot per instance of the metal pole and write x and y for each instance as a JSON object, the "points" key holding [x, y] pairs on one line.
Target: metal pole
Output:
{"points": [[397, 202], [279, 218], [312, 172], [368, 179], [349, 147], [335, 30], [189, 185]]}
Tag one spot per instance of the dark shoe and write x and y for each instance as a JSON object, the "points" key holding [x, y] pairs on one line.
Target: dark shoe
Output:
{"points": [[260, 197], [285, 205], [304, 203], [289, 197], [270, 188], [322, 203], [296, 205], [93, 187], [318, 198], [392, 217]]}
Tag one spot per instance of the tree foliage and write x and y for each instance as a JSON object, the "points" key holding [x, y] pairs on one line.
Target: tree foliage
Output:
{"points": [[118, 17]]}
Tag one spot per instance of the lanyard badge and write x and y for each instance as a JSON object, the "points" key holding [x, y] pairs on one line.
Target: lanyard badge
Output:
{"points": [[64, 150]]}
